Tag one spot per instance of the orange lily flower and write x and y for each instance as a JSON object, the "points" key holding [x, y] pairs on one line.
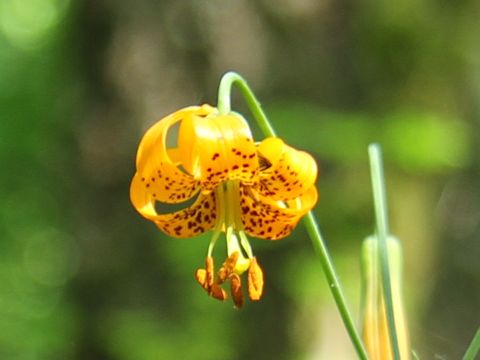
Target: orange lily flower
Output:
{"points": [[237, 186]]}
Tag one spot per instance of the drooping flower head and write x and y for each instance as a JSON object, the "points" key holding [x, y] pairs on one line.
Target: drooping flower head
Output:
{"points": [[238, 187]]}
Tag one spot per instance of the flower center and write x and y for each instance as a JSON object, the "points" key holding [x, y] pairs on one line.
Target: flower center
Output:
{"points": [[230, 222], [240, 256]]}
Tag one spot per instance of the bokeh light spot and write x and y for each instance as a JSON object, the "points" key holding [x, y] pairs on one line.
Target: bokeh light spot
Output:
{"points": [[28, 24], [51, 257]]}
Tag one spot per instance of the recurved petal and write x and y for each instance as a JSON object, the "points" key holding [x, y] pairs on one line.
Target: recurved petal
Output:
{"points": [[220, 148], [286, 173], [155, 137], [164, 183], [142, 200], [265, 218], [158, 166], [188, 222]]}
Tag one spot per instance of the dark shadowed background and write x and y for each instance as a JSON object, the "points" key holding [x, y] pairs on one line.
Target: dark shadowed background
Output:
{"points": [[83, 276]]}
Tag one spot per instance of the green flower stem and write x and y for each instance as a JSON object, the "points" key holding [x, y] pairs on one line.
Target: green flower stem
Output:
{"points": [[224, 106], [473, 348], [311, 225], [335, 287], [380, 202]]}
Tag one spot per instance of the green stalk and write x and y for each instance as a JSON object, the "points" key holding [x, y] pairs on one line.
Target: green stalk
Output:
{"points": [[334, 282], [473, 348], [309, 221], [224, 106], [380, 202]]}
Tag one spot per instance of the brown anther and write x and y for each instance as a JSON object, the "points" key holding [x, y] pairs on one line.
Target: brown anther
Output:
{"points": [[205, 276], [209, 272], [236, 290], [201, 275], [227, 267], [255, 280], [218, 293]]}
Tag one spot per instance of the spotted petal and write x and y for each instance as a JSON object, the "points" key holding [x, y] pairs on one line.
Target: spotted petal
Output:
{"points": [[287, 173], [189, 222], [158, 174], [219, 148], [265, 218]]}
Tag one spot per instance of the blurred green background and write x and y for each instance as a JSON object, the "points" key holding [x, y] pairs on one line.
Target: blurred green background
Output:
{"points": [[83, 276]]}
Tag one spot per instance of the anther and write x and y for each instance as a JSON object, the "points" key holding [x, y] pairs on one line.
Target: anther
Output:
{"points": [[255, 280], [227, 267], [236, 290]]}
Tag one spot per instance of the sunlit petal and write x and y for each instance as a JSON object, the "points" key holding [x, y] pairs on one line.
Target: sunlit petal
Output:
{"points": [[272, 220], [188, 222], [158, 167], [191, 221], [142, 200], [219, 148], [287, 172], [163, 184]]}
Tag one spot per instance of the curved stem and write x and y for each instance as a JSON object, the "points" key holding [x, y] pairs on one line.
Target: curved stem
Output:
{"points": [[311, 225], [380, 202], [224, 106]]}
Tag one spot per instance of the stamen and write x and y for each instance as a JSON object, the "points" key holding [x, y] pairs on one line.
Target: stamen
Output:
{"points": [[245, 244], [228, 267], [255, 280], [236, 290], [234, 246], [210, 271], [205, 278], [201, 276], [213, 241], [218, 293]]}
